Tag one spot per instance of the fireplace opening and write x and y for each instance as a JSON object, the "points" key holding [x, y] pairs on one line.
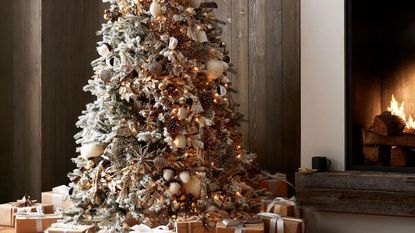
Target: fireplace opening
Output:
{"points": [[380, 83]]}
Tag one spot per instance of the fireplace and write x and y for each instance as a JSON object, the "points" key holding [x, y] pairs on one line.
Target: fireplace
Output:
{"points": [[380, 85]]}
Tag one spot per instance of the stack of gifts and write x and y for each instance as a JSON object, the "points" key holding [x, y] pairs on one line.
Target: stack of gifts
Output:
{"points": [[8, 211], [281, 206], [58, 197], [61, 227]]}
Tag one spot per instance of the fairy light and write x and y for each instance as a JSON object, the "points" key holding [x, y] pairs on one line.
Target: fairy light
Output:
{"points": [[239, 147], [196, 69]]}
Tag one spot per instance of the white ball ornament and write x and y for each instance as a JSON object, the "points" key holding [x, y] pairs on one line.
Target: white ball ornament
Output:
{"points": [[195, 3], [155, 9], [173, 42], [103, 50], [180, 141], [92, 150], [174, 188], [184, 177], [182, 114], [168, 174], [215, 69]]}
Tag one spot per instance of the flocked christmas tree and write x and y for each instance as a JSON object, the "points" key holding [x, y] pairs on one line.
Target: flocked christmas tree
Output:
{"points": [[160, 141]]}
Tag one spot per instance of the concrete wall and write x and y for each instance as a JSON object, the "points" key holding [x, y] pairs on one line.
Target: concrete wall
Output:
{"points": [[322, 112]]}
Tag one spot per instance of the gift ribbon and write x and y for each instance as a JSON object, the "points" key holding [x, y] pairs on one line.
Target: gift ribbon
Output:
{"points": [[142, 228], [65, 227], [186, 220], [298, 220], [276, 223], [239, 225], [57, 200], [39, 225], [277, 202]]}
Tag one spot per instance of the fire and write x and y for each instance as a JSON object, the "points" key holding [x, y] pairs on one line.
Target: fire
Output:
{"points": [[399, 110]]}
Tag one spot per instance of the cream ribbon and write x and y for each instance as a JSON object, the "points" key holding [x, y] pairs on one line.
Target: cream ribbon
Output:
{"points": [[142, 228], [65, 227], [276, 224], [57, 200], [277, 202], [39, 225]]}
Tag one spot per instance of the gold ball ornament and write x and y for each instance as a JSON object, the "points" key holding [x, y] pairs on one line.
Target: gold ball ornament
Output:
{"points": [[105, 75], [193, 186], [180, 141], [182, 113], [168, 174], [215, 69], [174, 188], [195, 3], [184, 177], [92, 150], [155, 68], [162, 86], [155, 9]]}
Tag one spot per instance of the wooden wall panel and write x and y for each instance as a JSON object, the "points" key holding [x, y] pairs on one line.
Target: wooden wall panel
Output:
{"points": [[6, 116], [69, 41]]}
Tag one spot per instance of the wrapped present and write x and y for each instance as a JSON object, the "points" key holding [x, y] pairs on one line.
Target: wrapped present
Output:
{"points": [[61, 227], [8, 211], [236, 226], [281, 206], [275, 223], [191, 225], [58, 197], [35, 222], [276, 183], [142, 228]]}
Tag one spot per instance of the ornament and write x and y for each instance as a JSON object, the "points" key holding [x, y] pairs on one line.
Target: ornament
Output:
{"points": [[197, 34], [206, 100], [182, 113], [160, 162], [173, 42], [184, 177], [92, 150], [180, 141], [215, 69], [162, 86], [168, 174], [174, 188], [221, 91], [105, 75], [195, 3], [193, 186], [103, 50], [114, 62], [173, 127], [155, 68], [155, 9]]}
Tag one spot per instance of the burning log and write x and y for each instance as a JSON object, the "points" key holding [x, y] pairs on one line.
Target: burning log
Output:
{"points": [[403, 139], [388, 124], [402, 157], [375, 155]]}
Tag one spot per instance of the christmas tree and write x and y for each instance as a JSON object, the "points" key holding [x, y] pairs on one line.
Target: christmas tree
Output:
{"points": [[160, 141]]}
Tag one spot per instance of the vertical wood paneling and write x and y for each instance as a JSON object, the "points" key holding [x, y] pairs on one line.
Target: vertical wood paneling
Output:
{"points": [[69, 28], [291, 83], [26, 86], [6, 116]]}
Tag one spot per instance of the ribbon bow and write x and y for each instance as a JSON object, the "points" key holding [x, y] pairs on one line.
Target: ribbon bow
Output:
{"points": [[142, 228], [239, 225], [280, 201], [25, 201]]}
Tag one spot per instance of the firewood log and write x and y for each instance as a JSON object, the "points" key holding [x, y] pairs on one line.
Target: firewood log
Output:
{"points": [[402, 157], [387, 124], [377, 155]]}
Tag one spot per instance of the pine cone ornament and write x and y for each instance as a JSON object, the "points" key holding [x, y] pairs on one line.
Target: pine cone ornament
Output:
{"points": [[173, 127], [206, 100]]}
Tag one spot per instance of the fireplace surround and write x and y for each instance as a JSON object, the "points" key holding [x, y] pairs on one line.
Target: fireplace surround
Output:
{"points": [[380, 62]]}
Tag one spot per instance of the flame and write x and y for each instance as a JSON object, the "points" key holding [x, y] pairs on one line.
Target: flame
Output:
{"points": [[399, 110]]}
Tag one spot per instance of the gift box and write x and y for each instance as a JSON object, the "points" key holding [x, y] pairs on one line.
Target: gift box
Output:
{"points": [[280, 206], [278, 187], [189, 227], [276, 224], [8, 211], [57, 199], [60, 227], [35, 223], [221, 227]]}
